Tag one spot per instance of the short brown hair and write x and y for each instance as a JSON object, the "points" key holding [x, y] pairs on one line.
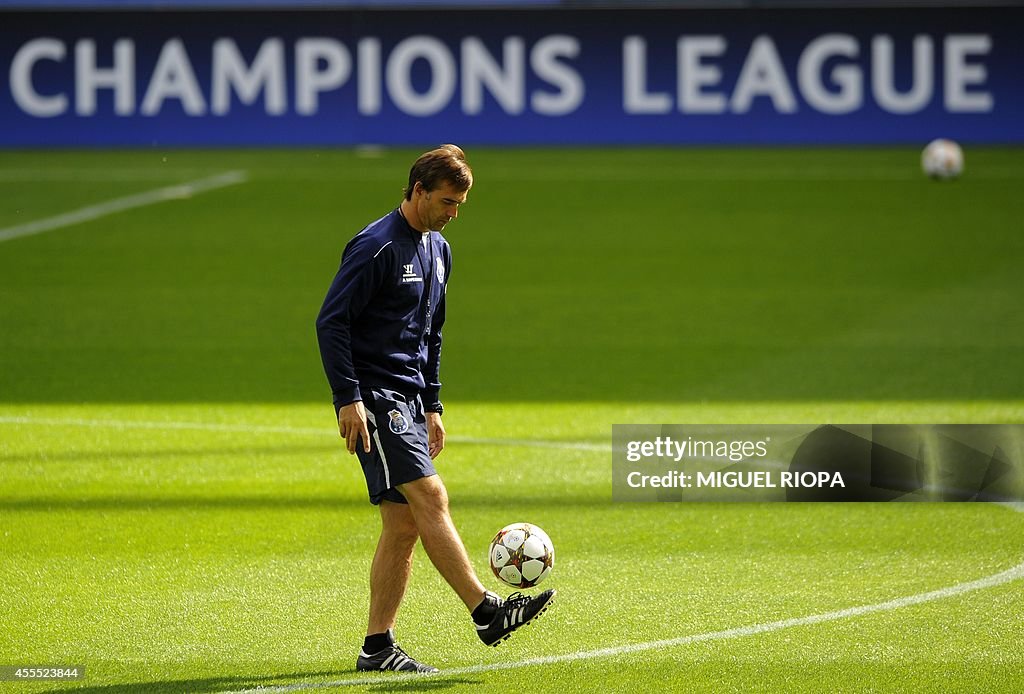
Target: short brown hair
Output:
{"points": [[446, 164]]}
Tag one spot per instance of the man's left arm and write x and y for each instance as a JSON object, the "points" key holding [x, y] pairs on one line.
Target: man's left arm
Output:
{"points": [[432, 377]]}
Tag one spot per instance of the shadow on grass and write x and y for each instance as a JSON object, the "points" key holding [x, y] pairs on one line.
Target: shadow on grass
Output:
{"points": [[433, 683], [260, 503], [205, 686], [293, 682], [183, 503], [191, 454]]}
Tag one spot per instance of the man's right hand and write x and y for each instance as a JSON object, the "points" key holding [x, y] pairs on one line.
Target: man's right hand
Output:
{"points": [[352, 426]]}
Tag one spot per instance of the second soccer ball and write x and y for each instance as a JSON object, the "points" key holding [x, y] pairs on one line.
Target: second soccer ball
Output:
{"points": [[521, 555], [942, 159]]}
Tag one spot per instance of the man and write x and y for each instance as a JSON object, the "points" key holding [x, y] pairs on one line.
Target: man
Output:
{"points": [[380, 339]]}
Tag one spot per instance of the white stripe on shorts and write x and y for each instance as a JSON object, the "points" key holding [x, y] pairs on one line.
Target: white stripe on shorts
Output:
{"points": [[380, 449]]}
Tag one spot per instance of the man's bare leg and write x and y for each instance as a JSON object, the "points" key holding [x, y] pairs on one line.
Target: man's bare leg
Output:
{"points": [[392, 563], [389, 576], [428, 502]]}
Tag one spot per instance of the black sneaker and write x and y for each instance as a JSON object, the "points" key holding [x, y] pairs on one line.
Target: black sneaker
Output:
{"points": [[391, 658], [516, 611]]}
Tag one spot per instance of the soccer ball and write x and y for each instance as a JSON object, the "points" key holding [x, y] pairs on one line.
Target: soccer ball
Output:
{"points": [[521, 555], [942, 159]]}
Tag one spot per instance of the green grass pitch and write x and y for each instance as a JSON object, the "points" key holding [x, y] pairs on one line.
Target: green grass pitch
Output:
{"points": [[176, 513]]}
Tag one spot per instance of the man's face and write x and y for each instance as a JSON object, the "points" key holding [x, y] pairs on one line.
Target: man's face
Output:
{"points": [[437, 207]]}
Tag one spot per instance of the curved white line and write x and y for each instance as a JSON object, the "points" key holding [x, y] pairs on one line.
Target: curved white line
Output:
{"points": [[1011, 574]]}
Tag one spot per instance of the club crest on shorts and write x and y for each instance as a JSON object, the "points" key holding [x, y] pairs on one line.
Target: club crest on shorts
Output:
{"points": [[398, 424]]}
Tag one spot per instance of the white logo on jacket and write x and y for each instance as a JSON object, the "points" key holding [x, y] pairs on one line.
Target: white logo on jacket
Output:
{"points": [[410, 274]]}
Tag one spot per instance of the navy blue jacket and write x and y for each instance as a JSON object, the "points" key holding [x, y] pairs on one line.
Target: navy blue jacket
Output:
{"points": [[380, 324]]}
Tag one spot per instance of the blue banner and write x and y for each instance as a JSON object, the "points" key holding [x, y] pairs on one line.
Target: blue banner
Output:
{"points": [[515, 77]]}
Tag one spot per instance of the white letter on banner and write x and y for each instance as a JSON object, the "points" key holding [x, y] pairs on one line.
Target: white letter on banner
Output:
{"points": [[883, 76], [120, 78], [763, 75], [693, 75], [173, 78], [960, 75], [266, 75], [442, 75], [369, 76], [635, 97], [848, 77], [310, 80], [28, 99], [505, 82], [544, 62]]}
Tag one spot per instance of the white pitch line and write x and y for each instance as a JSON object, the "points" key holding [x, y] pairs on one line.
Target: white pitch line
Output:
{"points": [[1012, 574], [533, 443], [143, 424], [150, 197], [300, 431]]}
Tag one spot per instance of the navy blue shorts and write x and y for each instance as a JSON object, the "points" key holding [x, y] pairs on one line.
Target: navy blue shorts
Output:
{"points": [[398, 444]]}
